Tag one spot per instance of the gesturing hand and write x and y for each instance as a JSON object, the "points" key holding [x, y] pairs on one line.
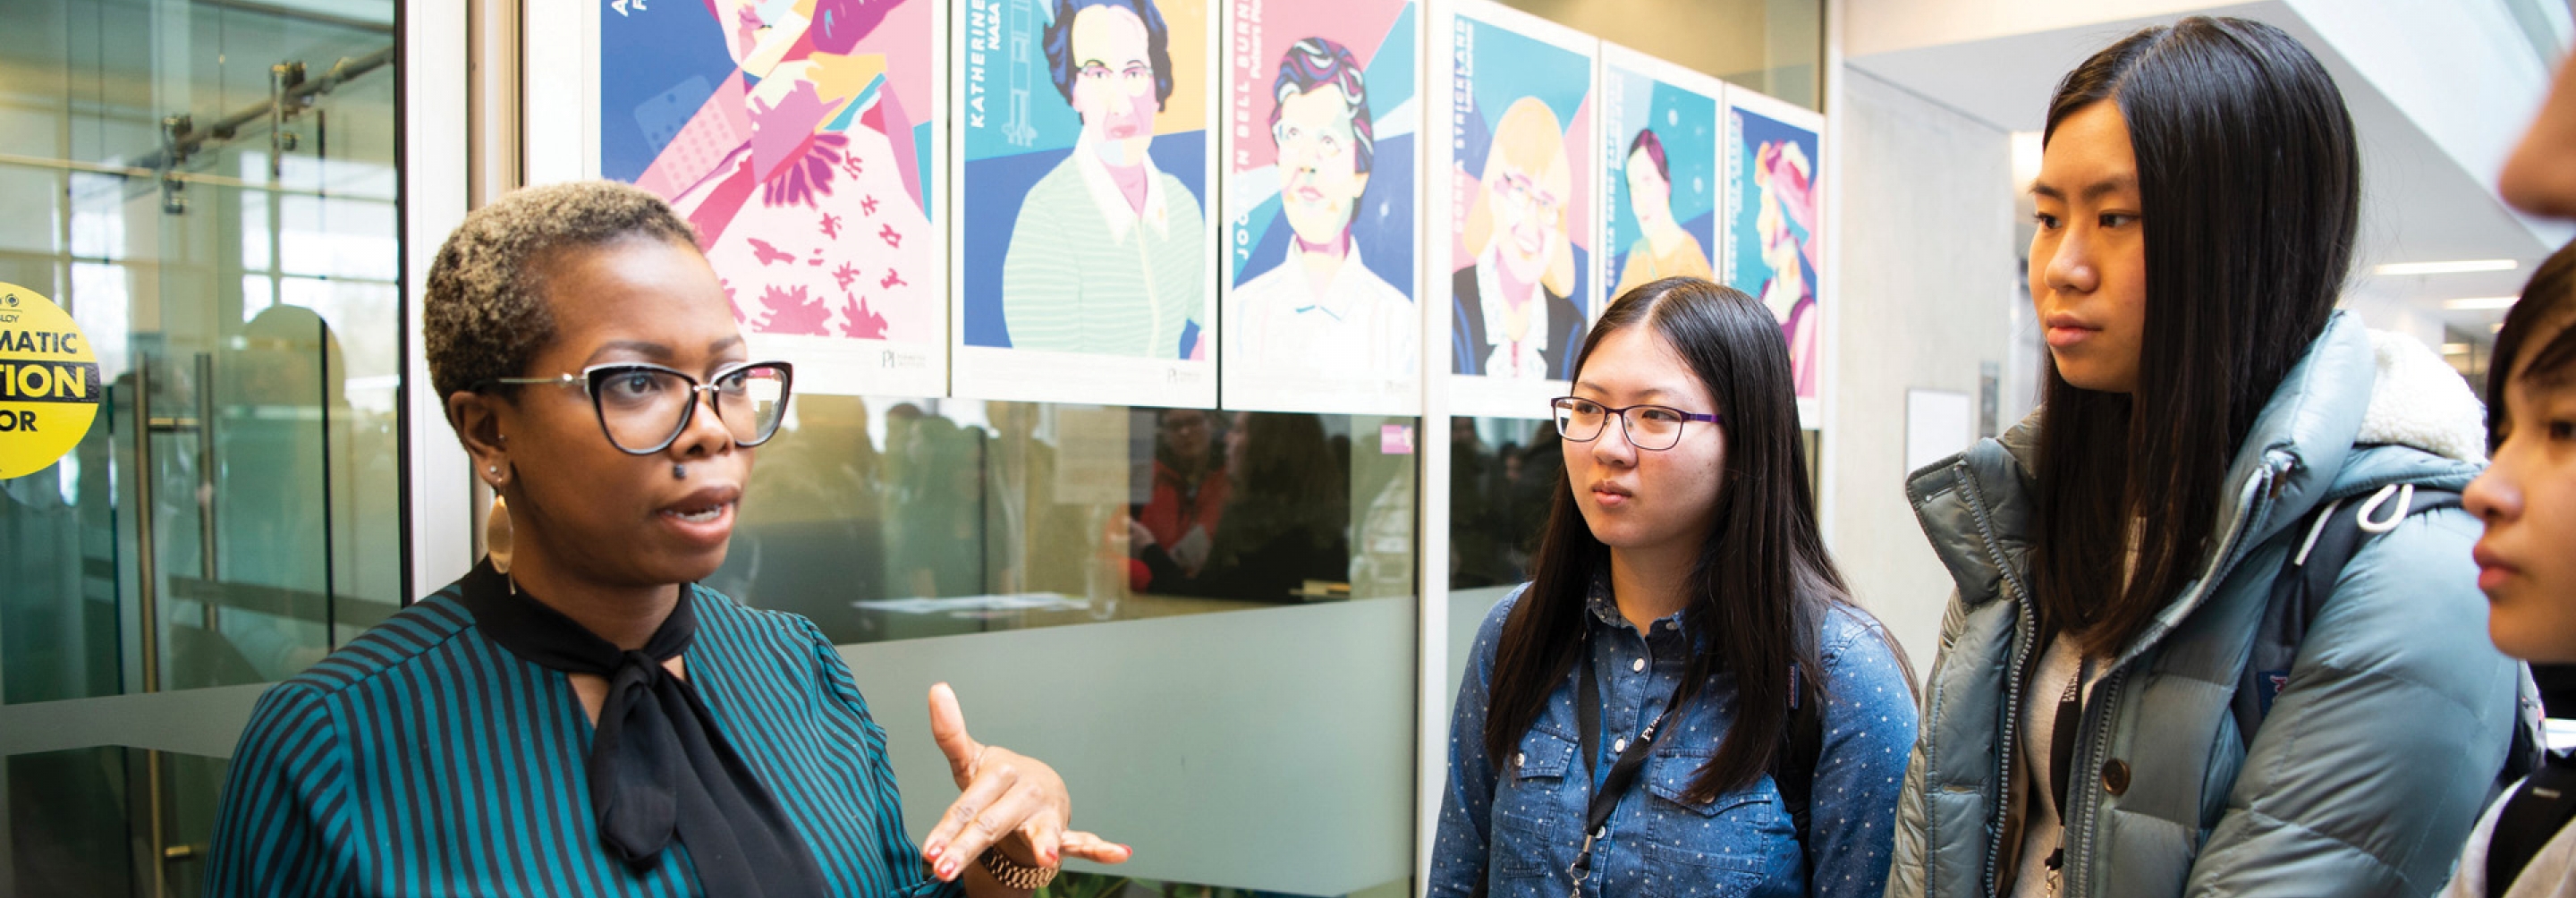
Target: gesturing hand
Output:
{"points": [[1008, 799]]}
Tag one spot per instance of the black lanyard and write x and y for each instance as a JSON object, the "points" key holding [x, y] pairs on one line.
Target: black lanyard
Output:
{"points": [[2061, 762], [1623, 772]]}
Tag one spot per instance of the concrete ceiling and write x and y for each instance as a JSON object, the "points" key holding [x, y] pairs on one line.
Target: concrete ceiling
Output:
{"points": [[2420, 203]]}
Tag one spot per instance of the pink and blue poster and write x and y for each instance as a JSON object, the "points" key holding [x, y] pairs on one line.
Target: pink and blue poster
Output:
{"points": [[1085, 260], [800, 139], [1660, 178], [1322, 107], [1521, 180], [1776, 232]]}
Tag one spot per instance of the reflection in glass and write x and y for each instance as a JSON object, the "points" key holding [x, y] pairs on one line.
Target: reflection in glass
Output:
{"points": [[65, 841], [235, 510], [1503, 475], [241, 294], [891, 518], [1266, 517]]}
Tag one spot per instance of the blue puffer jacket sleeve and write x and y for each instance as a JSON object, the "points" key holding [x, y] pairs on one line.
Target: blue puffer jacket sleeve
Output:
{"points": [[2395, 680]]}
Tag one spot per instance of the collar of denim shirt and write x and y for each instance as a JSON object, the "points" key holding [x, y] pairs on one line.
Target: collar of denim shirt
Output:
{"points": [[1605, 609]]}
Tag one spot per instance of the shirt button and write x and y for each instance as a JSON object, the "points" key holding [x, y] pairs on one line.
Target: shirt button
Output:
{"points": [[1619, 744], [2115, 776], [1516, 759], [1672, 625], [1639, 664]]}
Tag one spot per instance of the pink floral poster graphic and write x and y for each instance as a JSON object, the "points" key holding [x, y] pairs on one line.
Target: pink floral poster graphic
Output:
{"points": [[1776, 244], [799, 138]]}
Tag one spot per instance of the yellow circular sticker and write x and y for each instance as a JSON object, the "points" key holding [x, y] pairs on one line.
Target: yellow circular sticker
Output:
{"points": [[48, 382]]}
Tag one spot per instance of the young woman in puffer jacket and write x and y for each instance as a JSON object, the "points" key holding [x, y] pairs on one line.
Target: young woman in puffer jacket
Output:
{"points": [[2115, 554]]}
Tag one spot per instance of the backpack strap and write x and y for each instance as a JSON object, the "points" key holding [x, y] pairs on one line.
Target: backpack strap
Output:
{"points": [[2307, 580], [1802, 746], [2334, 547], [1793, 764], [2529, 749], [2530, 818], [2333, 535]]}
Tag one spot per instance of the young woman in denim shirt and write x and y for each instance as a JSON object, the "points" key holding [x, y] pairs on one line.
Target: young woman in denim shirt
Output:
{"points": [[1682, 570]]}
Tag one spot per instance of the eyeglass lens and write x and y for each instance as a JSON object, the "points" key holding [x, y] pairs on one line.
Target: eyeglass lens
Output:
{"points": [[1649, 427], [643, 409]]}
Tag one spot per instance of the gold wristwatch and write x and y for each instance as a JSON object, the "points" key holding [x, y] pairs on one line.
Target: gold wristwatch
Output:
{"points": [[1014, 874]]}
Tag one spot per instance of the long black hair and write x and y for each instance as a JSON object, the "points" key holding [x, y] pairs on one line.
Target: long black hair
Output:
{"points": [[2249, 184], [1762, 584]]}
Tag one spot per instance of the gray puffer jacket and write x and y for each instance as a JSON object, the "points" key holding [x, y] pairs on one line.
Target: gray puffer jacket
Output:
{"points": [[2376, 756]]}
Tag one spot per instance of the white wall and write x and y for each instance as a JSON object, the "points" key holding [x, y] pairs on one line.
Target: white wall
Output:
{"points": [[2461, 71], [2437, 92], [2397, 316], [1879, 26], [440, 488], [1928, 277]]}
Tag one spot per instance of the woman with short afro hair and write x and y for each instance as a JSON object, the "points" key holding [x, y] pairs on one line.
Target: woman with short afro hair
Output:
{"points": [[582, 718]]}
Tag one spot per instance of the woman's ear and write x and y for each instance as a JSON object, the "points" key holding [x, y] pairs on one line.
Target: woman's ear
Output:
{"points": [[477, 418]]}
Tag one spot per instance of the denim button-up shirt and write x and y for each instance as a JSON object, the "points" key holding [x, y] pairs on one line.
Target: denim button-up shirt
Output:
{"points": [[1519, 820]]}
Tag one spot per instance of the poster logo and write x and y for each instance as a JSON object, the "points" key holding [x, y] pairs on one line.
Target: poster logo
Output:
{"points": [[49, 385]]}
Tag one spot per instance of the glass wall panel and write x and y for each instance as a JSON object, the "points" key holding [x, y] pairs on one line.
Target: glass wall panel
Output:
{"points": [[1204, 619], [210, 190], [891, 518], [1503, 475], [1086, 885]]}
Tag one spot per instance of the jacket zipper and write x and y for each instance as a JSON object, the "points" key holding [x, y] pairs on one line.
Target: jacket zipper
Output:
{"points": [[2026, 629], [2102, 704], [2079, 855]]}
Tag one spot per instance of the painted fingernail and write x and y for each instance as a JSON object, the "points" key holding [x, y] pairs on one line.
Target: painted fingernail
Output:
{"points": [[932, 853], [947, 871], [1050, 859]]}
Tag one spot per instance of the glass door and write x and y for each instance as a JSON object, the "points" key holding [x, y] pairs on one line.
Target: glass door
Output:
{"points": [[218, 192]]}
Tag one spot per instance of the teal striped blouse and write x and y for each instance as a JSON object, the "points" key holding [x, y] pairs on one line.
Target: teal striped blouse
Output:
{"points": [[424, 759]]}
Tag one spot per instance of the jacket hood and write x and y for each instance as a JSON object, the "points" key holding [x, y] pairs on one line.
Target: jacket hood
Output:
{"points": [[2361, 410], [2418, 400]]}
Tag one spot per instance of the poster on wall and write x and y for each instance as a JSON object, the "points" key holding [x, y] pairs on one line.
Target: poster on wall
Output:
{"points": [[1086, 259], [1517, 192], [1775, 232], [1660, 180], [800, 139], [1322, 107]]}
